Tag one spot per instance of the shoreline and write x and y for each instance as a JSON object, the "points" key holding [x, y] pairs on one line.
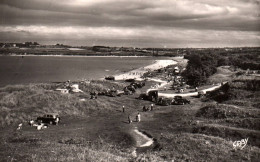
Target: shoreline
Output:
{"points": [[152, 65], [138, 73]]}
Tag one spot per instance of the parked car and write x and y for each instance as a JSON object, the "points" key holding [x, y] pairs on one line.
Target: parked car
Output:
{"points": [[164, 101], [52, 118], [119, 93], [138, 84], [153, 95], [177, 97], [130, 88], [143, 96], [127, 92], [130, 80], [201, 94], [180, 101], [110, 78]]}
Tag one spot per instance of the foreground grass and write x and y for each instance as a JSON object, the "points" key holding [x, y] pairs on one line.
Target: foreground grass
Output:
{"points": [[25, 149], [97, 130], [20, 103]]}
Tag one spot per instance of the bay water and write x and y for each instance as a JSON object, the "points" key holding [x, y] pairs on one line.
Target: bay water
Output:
{"points": [[45, 69]]}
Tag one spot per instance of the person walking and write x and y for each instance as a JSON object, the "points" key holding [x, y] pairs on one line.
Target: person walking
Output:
{"points": [[151, 107], [123, 108], [138, 117], [31, 122], [129, 119], [144, 108], [196, 89], [57, 120]]}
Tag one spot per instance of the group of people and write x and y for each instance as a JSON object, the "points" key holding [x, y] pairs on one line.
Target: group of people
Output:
{"points": [[138, 116], [135, 73], [93, 95], [32, 123], [147, 108]]}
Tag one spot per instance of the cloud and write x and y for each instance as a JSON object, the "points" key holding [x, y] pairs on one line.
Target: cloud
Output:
{"points": [[122, 36], [135, 19]]}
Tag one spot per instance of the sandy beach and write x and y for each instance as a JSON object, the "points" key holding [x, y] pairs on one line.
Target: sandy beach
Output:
{"points": [[137, 73]]}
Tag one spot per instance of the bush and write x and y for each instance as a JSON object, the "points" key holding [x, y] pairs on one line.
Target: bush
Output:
{"points": [[199, 68], [234, 90], [225, 111], [220, 94]]}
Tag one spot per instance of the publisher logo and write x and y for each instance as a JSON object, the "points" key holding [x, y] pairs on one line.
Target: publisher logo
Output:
{"points": [[240, 144]]}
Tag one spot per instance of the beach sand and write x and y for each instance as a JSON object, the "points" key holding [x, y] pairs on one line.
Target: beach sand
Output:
{"points": [[137, 73]]}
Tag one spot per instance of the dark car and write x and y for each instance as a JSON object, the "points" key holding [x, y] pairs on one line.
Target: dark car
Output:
{"points": [[180, 101], [130, 88], [130, 80], [164, 101], [111, 93], [177, 97], [134, 85], [143, 96], [127, 92], [153, 95], [110, 78], [52, 118], [138, 84], [201, 94]]}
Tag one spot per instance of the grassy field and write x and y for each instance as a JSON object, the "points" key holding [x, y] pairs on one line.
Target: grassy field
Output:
{"points": [[97, 130], [36, 99]]}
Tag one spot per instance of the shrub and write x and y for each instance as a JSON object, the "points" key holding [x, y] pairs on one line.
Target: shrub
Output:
{"points": [[225, 111], [199, 68]]}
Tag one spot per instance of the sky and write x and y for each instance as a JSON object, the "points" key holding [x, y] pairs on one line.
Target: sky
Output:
{"points": [[132, 23]]}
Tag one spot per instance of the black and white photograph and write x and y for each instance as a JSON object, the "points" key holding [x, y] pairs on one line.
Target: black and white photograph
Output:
{"points": [[129, 80]]}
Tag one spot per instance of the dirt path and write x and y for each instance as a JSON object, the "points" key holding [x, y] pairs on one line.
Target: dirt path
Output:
{"points": [[172, 95], [142, 140]]}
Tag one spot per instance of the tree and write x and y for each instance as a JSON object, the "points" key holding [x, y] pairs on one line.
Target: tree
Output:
{"points": [[200, 67]]}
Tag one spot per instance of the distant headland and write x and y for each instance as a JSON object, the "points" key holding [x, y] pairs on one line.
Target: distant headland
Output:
{"points": [[34, 48]]}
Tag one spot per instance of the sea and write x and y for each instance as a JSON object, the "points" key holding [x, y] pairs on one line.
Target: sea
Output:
{"points": [[47, 69]]}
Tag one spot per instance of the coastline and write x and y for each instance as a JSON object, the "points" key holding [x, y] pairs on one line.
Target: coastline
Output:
{"points": [[138, 73], [134, 72], [47, 69]]}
